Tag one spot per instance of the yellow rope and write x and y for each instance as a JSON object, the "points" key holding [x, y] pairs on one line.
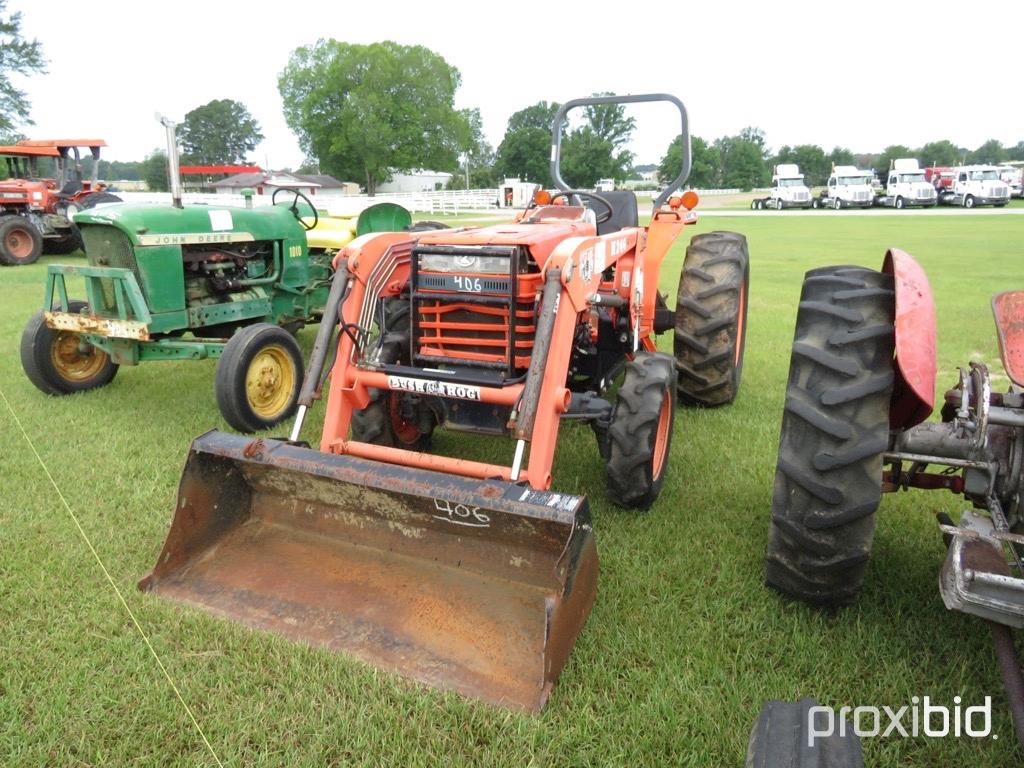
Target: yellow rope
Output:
{"points": [[110, 579]]}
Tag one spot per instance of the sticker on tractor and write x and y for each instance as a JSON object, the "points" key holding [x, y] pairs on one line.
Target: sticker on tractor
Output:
{"points": [[197, 238], [587, 265], [437, 388], [220, 221]]}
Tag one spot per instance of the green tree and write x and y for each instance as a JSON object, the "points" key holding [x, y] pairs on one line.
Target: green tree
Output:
{"points": [[992, 152], [597, 149], [841, 156], [366, 110], [220, 132], [882, 162], [743, 159], [1016, 152], [478, 158], [17, 57], [154, 171], [525, 151], [939, 153], [814, 163], [705, 163]]}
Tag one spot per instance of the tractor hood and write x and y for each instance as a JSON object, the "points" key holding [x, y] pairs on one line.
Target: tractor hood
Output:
{"points": [[196, 224]]}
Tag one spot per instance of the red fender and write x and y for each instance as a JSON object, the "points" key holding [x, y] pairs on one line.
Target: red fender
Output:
{"points": [[1008, 309], [913, 395]]}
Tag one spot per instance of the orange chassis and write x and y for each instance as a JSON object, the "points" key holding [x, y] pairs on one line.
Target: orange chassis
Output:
{"points": [[575, 254]]}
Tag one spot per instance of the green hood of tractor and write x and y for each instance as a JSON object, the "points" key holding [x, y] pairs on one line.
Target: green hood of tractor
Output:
{"points": [[166, 225]]}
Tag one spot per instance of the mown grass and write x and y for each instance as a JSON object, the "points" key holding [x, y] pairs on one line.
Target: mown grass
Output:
{"points": [[683, 645]]}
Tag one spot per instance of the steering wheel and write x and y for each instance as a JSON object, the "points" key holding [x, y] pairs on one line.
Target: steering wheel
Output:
{"points": [[600, 218], [294, 207]]}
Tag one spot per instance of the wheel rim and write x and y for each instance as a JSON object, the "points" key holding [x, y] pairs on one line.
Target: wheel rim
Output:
{"points": [[19, 243], [74, 360], [741, 318], [406, 431], [270, 382], [661, 437]]}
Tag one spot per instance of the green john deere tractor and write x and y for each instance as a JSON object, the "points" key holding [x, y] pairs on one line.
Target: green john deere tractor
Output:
{"points": [[188, 283]]}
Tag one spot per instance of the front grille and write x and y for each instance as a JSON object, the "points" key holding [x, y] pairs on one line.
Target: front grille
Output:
{"points": [[472, 318], [925, 194], [999, 192], [801, 197], [109, 247], [861, 196]]}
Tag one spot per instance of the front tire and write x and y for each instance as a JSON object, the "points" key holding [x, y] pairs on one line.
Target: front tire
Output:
{"points": [[711, 319], [20, 242], [899, 203], [69, 243], [835, 428], [640, 434], [258, 379], [59, 362], [969, 201]]}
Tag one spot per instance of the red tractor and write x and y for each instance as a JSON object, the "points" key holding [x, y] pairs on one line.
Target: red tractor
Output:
{"points": [[36, 211], [861, 385]]}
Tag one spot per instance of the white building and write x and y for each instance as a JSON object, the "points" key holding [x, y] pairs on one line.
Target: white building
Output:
{"points": [[318, 185], [415, 181]]}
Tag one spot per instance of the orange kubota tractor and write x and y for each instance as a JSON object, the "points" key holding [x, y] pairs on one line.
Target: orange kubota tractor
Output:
{"points": [[36, 210], [465, 575]]}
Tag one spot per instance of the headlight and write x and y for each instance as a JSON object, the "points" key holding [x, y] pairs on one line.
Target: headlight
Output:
{"points": [[484, 265]]}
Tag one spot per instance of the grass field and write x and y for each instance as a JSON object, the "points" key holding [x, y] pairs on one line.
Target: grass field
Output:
{"points": [[683, 645]]}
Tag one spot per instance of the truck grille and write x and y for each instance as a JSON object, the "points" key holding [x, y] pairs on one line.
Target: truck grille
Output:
{"points": [[801, 197], [925, 194], [475, 319], [999, 192], [109, 247], [861, 197]]}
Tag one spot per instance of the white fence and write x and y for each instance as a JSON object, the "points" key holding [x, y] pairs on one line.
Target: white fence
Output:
{"points": [[451, 202]]}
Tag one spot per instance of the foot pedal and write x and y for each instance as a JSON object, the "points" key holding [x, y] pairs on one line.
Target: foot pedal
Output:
{"points": [[976, 577]]}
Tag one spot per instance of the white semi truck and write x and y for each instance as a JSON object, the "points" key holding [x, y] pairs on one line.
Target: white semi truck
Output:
{"points": [[906, 186], [848, 187], [788, 190], [975, 185]]}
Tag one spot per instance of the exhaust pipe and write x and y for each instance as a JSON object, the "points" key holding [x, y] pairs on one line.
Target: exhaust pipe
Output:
{"points": [[173, 170]]}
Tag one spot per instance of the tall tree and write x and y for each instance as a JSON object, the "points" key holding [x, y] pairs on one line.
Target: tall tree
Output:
{"points": [[814, 163], [882, 162], [366, 110], [525, 151], [705, 163], [743, 159], [991, 152], [477, 170], [17, 57], [1016, 152], [220, 132], [943, 152], [597, 149], [841, 156], [154, 171]]}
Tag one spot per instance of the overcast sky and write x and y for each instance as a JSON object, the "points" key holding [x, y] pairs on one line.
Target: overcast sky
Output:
{"points": [[859, 74]]}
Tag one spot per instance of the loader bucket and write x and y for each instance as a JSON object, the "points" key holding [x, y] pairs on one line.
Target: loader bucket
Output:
{"points": [[476, 586]]}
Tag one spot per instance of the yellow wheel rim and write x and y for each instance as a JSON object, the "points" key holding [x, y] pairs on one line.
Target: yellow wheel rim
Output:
{"points": [[270, 382], [74, 360]]}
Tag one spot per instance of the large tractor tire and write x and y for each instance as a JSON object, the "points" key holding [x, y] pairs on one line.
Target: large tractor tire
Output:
{"points": [[259, 376], [59, 362], [835, 428], [392, 418], [68, 243], [640, 434], [711, 318], [20, 242], [91, 201]]}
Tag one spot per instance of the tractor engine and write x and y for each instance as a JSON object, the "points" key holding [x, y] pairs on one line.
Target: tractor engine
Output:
{"points": [[212, 272]]}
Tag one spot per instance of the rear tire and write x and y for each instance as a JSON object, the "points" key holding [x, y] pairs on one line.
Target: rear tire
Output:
{"points": [[69, 243], [426, 226], [781, 738], [258, 379], [91, 201], [640, 433], [711, 319], [835, 428], [58, 362], [20, 242]]}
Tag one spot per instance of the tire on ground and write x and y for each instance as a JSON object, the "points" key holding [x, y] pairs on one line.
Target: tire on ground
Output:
{"points": [[69, 243], [258, 378], [781, 738], [835, 427], [20, 242], [711, 318], [58, 362], [640, 435]]}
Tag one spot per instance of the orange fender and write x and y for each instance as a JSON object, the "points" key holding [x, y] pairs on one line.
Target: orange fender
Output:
{"points": [[913, 394], [1008, 309]]}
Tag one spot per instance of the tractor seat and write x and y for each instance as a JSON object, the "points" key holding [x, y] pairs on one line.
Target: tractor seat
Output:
{"points": [[71, 189], [624, 213]]}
